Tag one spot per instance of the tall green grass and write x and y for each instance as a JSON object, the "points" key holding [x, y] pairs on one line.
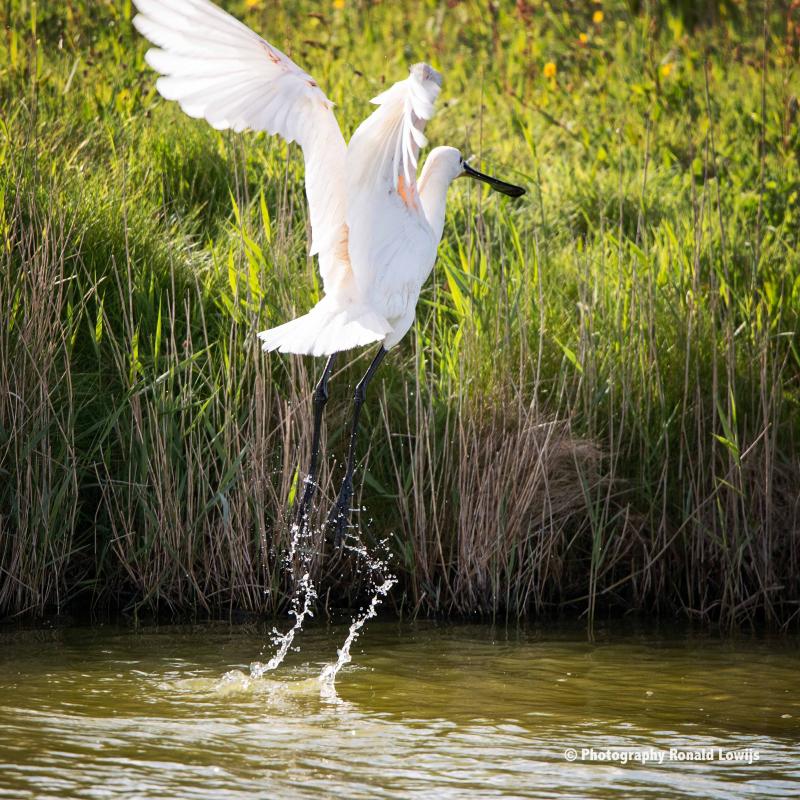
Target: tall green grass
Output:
{"points": [[597, 408]]}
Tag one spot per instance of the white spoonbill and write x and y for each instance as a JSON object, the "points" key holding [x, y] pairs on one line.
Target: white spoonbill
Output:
{"points": [[375, 227]]}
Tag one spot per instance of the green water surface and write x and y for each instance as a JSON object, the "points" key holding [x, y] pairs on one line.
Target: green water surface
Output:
{"points": [[424, 711]]}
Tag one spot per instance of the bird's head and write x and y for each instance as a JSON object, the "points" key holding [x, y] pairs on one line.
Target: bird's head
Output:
{"points": [[449, 163]]}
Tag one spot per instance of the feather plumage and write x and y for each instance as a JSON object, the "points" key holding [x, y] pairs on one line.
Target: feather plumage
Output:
{"points": [[369, 228]]}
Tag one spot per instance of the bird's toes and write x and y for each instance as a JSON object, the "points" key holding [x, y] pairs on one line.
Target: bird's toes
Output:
{"points": [[337, 524]]}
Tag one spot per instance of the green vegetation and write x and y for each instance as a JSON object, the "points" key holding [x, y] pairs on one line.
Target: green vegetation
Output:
{"points": [[598, 407]]}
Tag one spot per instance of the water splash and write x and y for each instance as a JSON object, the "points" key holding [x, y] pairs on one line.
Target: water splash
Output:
{"points": [[235, 682], [300, 542], [300, 550], [382, 581], [328, 675], [283, 641]]}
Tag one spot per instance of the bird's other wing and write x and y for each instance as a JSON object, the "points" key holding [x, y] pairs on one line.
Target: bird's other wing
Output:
{"points": [[384, 213], [219, 70]]}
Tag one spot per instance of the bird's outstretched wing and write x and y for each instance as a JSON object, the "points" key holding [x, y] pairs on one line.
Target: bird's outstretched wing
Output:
{"points": [[384, 213], [219, 70]]}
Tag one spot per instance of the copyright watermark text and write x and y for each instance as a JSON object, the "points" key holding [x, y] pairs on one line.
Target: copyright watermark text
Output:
{"points": [[625, 755]]}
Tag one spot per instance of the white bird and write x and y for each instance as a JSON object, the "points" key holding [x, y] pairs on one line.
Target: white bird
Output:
{"points": [[375, 227]]}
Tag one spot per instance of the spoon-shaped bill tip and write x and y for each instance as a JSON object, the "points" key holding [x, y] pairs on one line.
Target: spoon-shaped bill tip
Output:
{"points": [[501, 186]]}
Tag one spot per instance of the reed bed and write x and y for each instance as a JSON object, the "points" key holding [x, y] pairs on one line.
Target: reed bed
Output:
{"points": [[597, 410]]}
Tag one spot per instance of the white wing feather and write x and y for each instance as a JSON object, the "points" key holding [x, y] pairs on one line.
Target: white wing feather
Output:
{"points": [[391, 244], [219, 70]]}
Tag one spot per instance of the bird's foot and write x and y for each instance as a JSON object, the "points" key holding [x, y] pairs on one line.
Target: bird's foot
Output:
{"points": [[337, 525], [339, 518]]}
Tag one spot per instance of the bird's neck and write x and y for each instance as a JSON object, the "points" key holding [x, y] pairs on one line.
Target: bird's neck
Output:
{"points": [[433, 186]]}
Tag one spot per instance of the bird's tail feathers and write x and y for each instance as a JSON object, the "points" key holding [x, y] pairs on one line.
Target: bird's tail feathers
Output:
{"points": [[324, 331]]}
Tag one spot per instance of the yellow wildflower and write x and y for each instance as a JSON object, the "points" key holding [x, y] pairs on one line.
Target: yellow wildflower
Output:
{"points": [[583, 38], [550, 70], [251, 3], [597, 17], [338, 4], [665, 70]]}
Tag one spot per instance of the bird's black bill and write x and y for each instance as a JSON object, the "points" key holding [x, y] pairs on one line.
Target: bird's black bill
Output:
{"points": [[497, 185]]}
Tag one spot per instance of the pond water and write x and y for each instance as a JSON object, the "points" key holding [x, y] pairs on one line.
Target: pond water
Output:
{"points": [[425, 710]]}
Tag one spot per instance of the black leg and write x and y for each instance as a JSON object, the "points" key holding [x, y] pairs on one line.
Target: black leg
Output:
{"points": [[339, 517], [320, 398]]}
